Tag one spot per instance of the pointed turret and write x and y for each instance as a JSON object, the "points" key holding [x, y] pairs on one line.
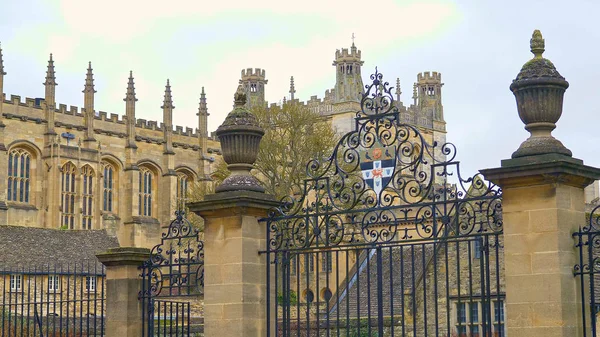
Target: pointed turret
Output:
{"points": [[89, 80], [88, 104], [49, 104], [292, 88], [130, 95], [130, 111], [168, 119], [2, 73], [202, 109], [50, 84], [168, 98], [203, 124], [398, 91], [414, 96]]}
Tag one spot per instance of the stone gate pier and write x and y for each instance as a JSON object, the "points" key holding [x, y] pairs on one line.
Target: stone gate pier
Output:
{"points": [[543, 204]]}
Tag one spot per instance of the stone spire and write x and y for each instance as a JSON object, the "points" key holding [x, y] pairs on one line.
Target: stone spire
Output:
{"points": [[398, 91], [88, 103], [168, 119], [49, 104], [539, 89], [50, 84], [203, 125], [2, 73], [130, 112], [89, 81], [292, 88], [414, 96]]}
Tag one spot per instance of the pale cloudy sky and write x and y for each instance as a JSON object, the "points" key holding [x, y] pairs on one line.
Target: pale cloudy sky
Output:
{"points": [[478, 46]]}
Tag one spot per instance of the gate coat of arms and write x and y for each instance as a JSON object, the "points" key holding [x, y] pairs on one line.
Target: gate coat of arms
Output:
{"points": [[378, 164]]}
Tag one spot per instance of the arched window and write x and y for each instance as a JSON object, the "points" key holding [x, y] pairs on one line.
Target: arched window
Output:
{"points": [[145, 192], [182, 190], [19, 171], [430, 91], [87, 200], [108, 187], [326, 262], [67, 201]]}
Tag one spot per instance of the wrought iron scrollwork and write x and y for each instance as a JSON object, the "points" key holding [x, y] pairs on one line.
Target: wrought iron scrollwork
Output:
{"points": [[385, 181], [588, 242], [176, 265]]}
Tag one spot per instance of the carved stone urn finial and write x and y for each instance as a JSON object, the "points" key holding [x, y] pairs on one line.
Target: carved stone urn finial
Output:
{"points": [[539, 91], [537, 44], [240, 136]]}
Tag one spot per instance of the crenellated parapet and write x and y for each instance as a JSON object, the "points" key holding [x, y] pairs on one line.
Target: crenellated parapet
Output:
{"points": [[429, 77], [33, 107], [256, 74], [348, 55]]}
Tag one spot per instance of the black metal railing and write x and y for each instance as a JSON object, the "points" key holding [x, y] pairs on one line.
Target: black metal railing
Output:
{"points": [[451, 287], [173, 282], [587, 270], [53, 300], [411, 247]]}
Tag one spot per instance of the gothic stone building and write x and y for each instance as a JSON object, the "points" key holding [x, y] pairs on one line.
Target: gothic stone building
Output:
{"points": [[84, 169]]}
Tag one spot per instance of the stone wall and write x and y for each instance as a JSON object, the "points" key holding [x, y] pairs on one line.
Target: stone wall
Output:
{"points": [[26, 130]]}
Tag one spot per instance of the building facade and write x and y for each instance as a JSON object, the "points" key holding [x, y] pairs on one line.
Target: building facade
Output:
{"points": [[84, 169], [80, 168]]}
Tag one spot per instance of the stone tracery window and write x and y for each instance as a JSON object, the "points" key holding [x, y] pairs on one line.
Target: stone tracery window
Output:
{"points": [[182, 189], [108, 187], [145, 192], [19, 172], [67, 202], [326, 262], [87, 200]]}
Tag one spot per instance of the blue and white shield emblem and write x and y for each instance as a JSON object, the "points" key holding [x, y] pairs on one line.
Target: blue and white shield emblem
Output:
{"points": [[378, 165]]}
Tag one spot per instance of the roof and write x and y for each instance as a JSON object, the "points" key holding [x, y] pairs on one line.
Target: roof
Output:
{"points": [[362, 292], [28, 247]]}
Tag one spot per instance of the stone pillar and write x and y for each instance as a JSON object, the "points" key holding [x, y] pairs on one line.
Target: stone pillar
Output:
{"points": [[123, 282], [543, 204], [129, 206], [235, 290], [235, 273]]}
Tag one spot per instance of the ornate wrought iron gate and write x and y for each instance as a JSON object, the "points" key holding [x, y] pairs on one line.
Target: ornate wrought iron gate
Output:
{"points": [[587, 240], [173, 281], [386, 238]]}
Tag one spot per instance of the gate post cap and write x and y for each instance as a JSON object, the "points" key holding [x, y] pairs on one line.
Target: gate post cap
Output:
{"points": [[539, 89], [240, 136], [121, 256]]}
